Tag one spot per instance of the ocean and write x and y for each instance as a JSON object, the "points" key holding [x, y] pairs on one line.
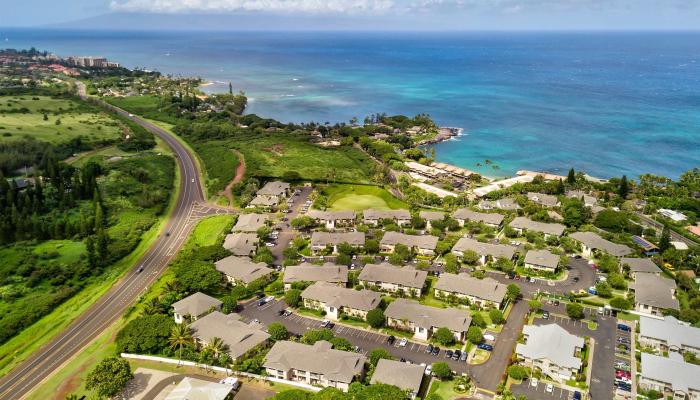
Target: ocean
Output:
{"points": [[607, 103]]}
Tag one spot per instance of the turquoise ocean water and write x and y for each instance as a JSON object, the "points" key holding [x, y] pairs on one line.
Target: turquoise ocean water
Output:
{"points": [[606, 103]]}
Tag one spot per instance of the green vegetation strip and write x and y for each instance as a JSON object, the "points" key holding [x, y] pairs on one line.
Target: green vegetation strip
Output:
{"points": [[71, 377], [21, 346]]}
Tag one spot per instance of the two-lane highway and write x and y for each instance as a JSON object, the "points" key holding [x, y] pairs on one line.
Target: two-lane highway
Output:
{"points": [[111, 306]]}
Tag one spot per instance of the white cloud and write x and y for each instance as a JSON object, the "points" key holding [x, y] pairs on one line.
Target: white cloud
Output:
{"points": [[301, 6]]}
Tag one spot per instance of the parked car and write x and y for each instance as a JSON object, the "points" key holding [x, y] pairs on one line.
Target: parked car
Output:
{"points": [[534, 382], [545, 314], [403, 342], [549, 388], [448, 354], [456, 355], [592, 290], [436, 351], [484, 346], [391, 339], [429, 370], [576, 279], [262, 302], [576, 396], [556, 302], [463, 357], [429, 349], [624, 327], [489, 337]]}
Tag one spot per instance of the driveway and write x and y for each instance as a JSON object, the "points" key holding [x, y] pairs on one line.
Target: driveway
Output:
{"points": [[287, 233], [581, 276]]}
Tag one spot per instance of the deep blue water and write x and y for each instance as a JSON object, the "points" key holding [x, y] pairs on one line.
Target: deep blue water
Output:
{"points": [[606, 103]]}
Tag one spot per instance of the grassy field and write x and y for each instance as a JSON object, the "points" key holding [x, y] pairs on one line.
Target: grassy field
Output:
{"points": [[220, 162], [70, 378], [361, 197], [73, 120], [208, 230], [273, 155], [145, 106]]}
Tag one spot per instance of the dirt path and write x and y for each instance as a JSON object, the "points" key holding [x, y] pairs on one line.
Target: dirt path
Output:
{"points": [[240, 172]]}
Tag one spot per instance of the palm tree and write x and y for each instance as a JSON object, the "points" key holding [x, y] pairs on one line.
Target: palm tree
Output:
{"points": [[171, 287], [153, 307], [180, 336], [216, 347]]}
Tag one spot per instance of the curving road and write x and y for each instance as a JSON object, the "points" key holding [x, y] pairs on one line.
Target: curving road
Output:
{"points": [[111, 306]]}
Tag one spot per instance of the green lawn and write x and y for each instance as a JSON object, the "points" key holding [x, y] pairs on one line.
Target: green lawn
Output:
{"points": [[444, 390], [361, 197], [273, 155], [209, 230], [75, 120]]}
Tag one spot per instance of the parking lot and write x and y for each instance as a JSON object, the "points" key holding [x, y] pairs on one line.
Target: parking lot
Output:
{"points": [[540, 392], [623, 362], [365, 340]]}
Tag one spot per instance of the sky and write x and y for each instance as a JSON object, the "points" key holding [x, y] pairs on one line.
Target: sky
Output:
{"points": [[372, 14]]}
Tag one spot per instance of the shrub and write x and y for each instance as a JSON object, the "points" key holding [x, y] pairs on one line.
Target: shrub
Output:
{"points": [[442, 371], [474, 335], [444, 336], [375, 318], [496, 316], [517, 372], [147, 334], [574, 311], [292, 297], [277, 331], [109, 377]]}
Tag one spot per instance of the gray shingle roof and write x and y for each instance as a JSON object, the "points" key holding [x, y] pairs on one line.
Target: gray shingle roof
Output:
{"points": [[653, 290], [594, 241], [680, 375], [336, 365], [265, 201], [306, 272], [250, 222], [487, 288], [196, 304], [432, 215], [385, 272], [487, 218], [484, 249], [420, 241], [242, 268], [503, 204], [455, 319], [241, 244], [546, 228], [238, 336], [640, 265], [404, 376], [333, 295], [331, 215], [670, 330], [546, 200], [543, 258], [274, 188], [372, 214], [320, 239], [551, 342]]}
